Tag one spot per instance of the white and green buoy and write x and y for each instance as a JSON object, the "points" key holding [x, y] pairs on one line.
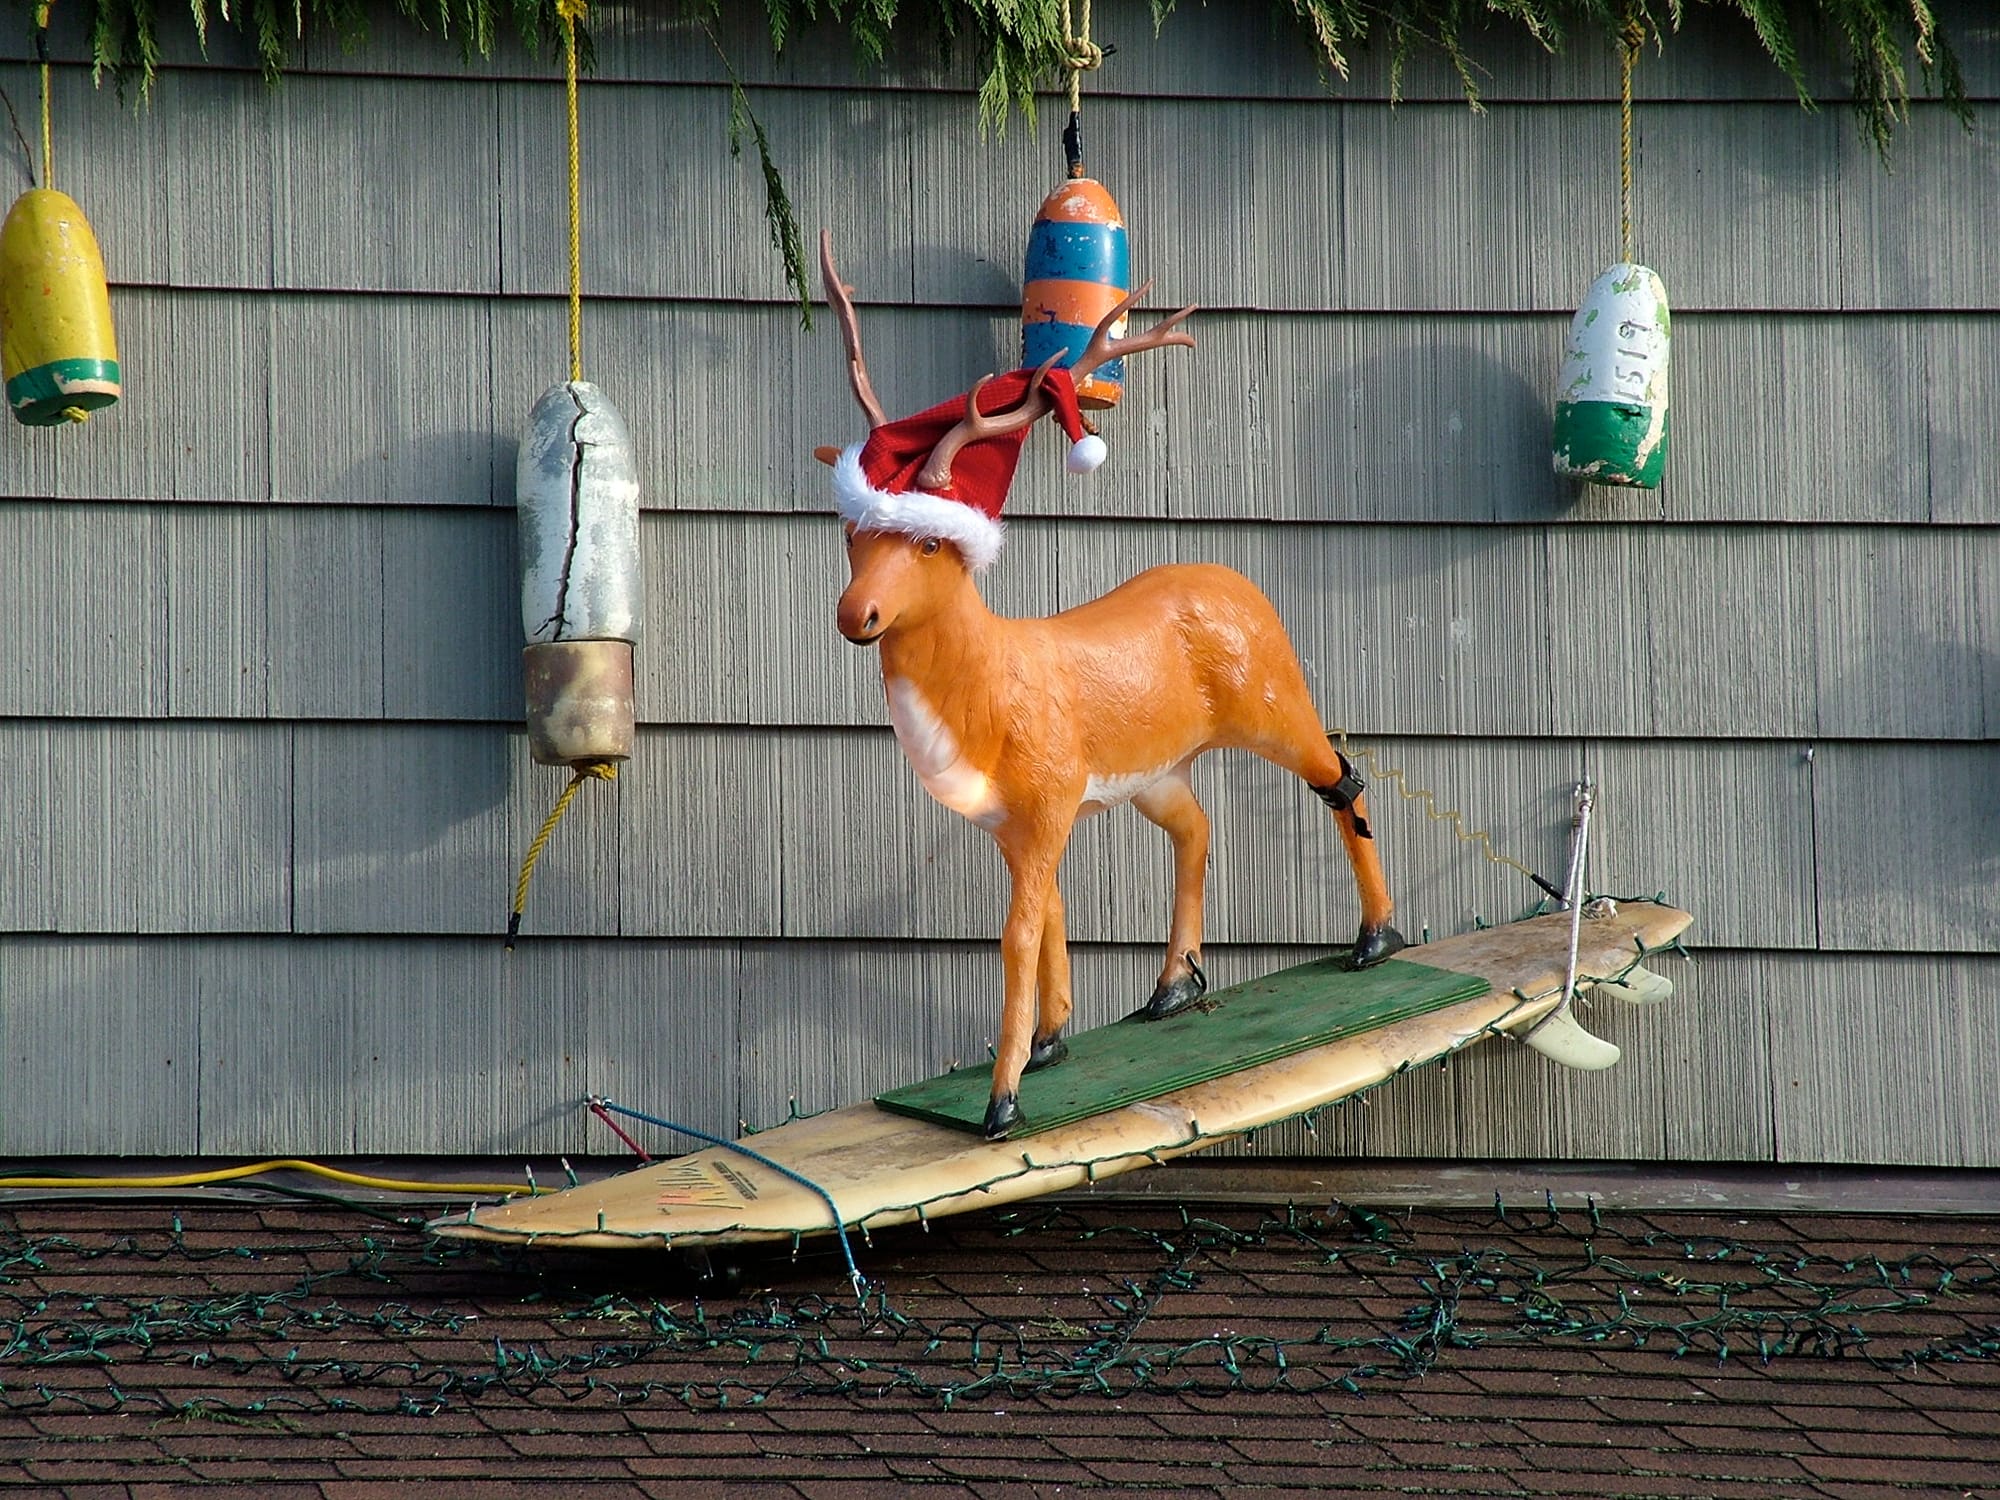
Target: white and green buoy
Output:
{"points": [[1611, 398]]}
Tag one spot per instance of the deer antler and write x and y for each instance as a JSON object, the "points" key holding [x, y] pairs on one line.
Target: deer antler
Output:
{"points": [[838, 296], [976, 425], [1103, 348]]}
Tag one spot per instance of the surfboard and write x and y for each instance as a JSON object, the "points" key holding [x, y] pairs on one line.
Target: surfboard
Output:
{"points": [[880, 1167]]}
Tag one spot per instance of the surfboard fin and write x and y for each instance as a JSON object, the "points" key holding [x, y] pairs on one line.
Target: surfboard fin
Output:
{"points": [[1560, 1039], [1638, 987]]}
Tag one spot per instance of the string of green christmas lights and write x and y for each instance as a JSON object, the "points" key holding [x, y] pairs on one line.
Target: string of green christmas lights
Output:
{"points": [[1596, 1279]]}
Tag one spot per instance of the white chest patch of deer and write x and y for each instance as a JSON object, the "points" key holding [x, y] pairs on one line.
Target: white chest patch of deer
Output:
{"points": [[933, 753], [1101, 792]]}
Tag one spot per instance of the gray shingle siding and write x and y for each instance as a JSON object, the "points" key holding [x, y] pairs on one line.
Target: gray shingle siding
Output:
{"points": [[267, 786]]}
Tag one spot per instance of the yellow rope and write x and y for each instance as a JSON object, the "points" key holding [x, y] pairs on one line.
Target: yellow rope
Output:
{"points": [[48, 130], [572, 11], [286, 1164], [593, 770], [69, 413], [1634, 36], [1080, 55]]}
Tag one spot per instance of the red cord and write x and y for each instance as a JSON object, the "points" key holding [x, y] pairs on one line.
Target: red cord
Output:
{"points": [[597, 1108]]}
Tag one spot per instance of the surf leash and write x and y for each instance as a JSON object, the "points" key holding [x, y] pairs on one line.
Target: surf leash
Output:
{"points": [[1452, 817]]}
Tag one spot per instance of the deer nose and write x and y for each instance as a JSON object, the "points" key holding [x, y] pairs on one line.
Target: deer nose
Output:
{"points": [[860, 620]]}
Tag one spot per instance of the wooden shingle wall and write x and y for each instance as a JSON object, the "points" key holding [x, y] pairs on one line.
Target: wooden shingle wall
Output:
{"points": [[265, 783]]}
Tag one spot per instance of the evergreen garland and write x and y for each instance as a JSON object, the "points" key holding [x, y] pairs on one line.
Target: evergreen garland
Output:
{"points": [[1018, 43], [1018, 46], [1876, 36]]}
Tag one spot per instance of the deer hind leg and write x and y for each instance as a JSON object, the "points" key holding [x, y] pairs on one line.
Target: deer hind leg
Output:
{"points": [[1171, 805], [1309, 754], [1052, 987], [1033, 848]]}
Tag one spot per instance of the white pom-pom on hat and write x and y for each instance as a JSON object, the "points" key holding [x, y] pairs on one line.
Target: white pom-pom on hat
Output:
{"points": [[1085, 454]]}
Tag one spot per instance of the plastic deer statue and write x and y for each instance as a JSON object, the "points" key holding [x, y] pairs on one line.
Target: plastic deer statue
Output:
{"points": [[1023, 726]]}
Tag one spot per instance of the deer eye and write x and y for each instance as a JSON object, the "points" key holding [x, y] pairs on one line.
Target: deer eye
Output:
{"points": [[930, 546]]}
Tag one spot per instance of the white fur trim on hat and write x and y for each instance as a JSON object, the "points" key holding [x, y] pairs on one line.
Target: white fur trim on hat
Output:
{"points": [[914, 513]]}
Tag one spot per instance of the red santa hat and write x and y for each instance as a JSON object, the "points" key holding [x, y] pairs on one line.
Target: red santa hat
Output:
{"points": [[875, 483]]}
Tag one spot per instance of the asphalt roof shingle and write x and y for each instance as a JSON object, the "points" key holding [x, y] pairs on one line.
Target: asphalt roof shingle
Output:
{"points": [[148, 1350]]}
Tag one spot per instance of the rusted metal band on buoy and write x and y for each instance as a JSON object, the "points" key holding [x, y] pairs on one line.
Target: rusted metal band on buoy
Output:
{"points": [[579, 701]]}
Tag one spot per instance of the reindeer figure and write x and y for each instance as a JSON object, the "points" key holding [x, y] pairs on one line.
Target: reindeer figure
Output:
{"points": [[1023, 726]]}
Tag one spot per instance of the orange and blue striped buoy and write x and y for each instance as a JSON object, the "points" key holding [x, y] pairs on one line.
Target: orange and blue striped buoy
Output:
{"points": [[1079, 268]]}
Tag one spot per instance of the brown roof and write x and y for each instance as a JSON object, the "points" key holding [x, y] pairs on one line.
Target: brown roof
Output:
{"points": [[1104, 1347]]}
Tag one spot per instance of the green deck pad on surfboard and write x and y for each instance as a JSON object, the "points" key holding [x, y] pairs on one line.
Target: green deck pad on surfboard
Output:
{"points": [[1131, 1061]]}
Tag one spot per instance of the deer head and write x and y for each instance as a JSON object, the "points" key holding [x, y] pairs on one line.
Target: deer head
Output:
{"points": [[895, 580]]}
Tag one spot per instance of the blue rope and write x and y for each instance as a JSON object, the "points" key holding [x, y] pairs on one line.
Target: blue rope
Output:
{"points": [[853, 1271]]}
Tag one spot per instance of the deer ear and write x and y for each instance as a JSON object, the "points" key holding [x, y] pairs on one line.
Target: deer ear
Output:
{"points": [[827, 455]]}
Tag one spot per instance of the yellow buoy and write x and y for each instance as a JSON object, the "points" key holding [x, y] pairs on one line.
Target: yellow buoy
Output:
{"points": [[57, 349]]}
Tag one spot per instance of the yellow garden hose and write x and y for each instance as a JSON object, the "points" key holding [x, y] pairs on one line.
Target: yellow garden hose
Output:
{"points": [[279, 1164]]}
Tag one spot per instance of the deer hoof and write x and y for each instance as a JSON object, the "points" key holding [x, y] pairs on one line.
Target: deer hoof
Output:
{"points": [[1374, 945], [1170, 998], [1046, 1054], [1003, 1113]]}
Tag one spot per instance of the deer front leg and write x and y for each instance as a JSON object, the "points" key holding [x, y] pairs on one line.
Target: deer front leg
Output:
{"points": [[1032, 849], [1171, 805], [1052, 987]]}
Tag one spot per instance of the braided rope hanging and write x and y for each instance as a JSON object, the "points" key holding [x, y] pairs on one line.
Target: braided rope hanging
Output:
{"points": [[1080, 54], [574, 405], [48, 130], [1632, 37], [596, 770], [572, 11], [1611, 422]]}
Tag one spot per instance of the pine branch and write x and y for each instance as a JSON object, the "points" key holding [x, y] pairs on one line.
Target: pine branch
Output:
{"points": [[786, 237], [1017, 48], [1017, 43]]}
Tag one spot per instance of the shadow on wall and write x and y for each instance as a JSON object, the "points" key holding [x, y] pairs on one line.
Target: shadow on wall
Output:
{"points": [[1428, 430], [1907, 843], [409, 829], [826, 1024], [422, 466], [452, 630], [932, 369], [413, 826], [980, 283], [1960, 447], [99, 1048]]}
